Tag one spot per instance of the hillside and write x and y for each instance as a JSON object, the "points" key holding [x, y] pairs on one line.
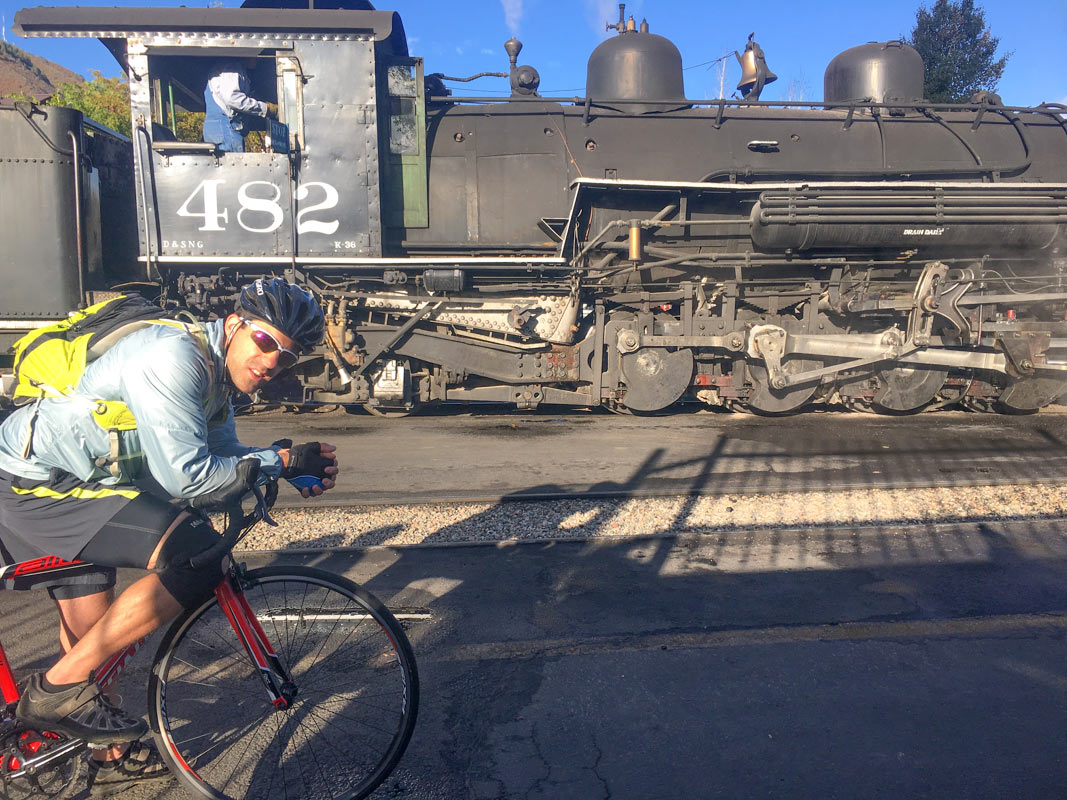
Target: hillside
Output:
{"points": [[23, 73]]}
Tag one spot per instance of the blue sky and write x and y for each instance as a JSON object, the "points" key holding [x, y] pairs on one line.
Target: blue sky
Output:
{"points": [[799, 37]]}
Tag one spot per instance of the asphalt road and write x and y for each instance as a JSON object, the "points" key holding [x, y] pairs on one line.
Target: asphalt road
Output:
{"points": [[868, 663], [492, 456]]}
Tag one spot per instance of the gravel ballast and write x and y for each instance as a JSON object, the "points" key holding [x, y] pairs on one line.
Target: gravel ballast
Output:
{"points": [[409, 525]]}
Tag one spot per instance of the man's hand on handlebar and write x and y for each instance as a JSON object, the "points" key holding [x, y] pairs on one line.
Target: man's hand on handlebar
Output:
{"points": [[230, 495], [311, 468]]}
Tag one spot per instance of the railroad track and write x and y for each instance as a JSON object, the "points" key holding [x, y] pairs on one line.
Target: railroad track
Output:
{"points": [[947, 478], [504, 458]]}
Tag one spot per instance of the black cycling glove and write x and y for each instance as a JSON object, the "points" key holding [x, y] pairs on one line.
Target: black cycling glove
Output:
{"points": [[307, 459], [230, 495]]}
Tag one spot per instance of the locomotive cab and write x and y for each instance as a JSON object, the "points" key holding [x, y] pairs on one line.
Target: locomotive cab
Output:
{"points": [[310, 186]]}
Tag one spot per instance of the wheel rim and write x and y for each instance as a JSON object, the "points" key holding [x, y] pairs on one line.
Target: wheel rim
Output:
{"points": [[346, 728]]}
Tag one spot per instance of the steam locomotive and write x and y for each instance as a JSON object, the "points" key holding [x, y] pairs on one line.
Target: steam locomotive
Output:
{"points": [[629, 249]]}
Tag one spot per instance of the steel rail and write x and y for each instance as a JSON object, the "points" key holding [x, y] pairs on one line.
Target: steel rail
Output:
{"points": [[578, 492]]}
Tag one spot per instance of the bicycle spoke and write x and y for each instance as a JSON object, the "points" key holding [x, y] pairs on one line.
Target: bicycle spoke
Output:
{"points": [[238, 651], [314, 757], [310, 670], [248, 692], [354, 694], [375, 673], [278, 636], [327, 703], [291, 639], [318, 713], [357, 699], [362, 722], [277, 760], [239, 761], [309, 628], [313, 714], [221, 741], [349, 721], [194, 668]]}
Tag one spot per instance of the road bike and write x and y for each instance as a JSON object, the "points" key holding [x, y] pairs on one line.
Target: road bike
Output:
{"points": [[291, 682]]}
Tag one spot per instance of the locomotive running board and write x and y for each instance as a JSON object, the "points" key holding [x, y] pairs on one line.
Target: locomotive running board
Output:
{"points": [[326, 262], [859, 350]]}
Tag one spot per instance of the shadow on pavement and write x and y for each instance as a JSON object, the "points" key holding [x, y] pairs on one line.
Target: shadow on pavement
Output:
{"points": [[891, 661]]}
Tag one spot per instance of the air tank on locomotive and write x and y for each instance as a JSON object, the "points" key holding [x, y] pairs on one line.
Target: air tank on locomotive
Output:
{"points": [[876, 216]]}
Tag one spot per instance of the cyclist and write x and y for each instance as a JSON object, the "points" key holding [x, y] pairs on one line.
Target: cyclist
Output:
{"points": [[58, 497]]}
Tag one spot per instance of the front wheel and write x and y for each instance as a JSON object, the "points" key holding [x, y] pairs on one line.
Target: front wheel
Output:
{"points": [[356, 692]]}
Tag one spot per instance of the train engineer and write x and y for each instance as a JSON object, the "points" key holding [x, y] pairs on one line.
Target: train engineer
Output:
{"points": [[227, 101], [57, 497]]}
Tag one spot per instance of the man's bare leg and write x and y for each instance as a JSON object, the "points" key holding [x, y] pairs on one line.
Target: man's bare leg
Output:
{"points": [[76, 616], [138, 611], [141, 609]]}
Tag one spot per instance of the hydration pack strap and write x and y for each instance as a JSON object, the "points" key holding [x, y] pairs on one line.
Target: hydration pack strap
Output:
{"points": [[111, 461], [114, 416]]}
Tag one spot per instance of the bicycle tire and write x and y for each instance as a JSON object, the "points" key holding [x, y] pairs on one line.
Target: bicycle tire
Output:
{"points": [[213, 719]]}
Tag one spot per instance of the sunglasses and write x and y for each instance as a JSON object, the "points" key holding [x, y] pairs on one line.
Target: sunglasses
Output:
{"points": [[266, 343]]}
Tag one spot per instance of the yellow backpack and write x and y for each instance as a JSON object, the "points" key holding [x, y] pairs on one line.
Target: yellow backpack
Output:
{"points": [[49, 361]]}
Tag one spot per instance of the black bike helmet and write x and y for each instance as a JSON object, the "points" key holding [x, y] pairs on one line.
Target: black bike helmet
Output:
{"points": [[287, 307]]}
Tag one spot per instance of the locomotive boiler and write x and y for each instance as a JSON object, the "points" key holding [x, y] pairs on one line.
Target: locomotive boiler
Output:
{"points": [[630, 249]]}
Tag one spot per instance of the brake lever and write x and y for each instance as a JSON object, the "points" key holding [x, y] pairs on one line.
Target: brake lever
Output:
{"points": [[261, 512]]}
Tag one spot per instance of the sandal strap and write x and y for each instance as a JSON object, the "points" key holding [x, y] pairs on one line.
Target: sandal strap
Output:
{"points": [[140, 753], [141, 759]]}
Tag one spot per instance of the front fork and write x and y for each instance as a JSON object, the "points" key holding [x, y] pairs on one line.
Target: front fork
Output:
{"points": [[276, 678]]}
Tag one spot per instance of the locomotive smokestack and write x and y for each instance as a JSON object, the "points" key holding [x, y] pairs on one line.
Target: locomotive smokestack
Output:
{"points": [[524, 79], [513, 47]]}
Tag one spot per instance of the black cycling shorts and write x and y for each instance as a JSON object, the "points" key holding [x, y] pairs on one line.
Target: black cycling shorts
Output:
{"points": [[111, 526]]}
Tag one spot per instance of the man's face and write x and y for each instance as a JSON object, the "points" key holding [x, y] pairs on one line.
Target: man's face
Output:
{"points": [[248, 366]]}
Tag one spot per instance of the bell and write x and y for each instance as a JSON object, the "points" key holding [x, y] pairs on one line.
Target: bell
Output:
{"points": [[754, 72]]}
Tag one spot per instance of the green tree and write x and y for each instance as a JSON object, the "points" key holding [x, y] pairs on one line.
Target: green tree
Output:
{"points": [[190, 126], [104, 100], [958, 50]]}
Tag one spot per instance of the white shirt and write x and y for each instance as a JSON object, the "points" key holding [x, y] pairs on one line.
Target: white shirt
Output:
{"points": [[229, 88]]}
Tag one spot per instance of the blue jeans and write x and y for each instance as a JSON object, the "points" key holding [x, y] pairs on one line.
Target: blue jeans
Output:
{"points": [[224, 132]]}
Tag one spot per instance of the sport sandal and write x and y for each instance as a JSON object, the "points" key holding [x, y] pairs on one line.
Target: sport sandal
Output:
{"points": [[80, 711], [140, 763]]}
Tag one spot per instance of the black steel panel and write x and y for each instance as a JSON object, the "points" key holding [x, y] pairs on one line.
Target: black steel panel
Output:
{"points": [[70, 21], [515, 192], [236, 205], [39, 256], [341, 132]]}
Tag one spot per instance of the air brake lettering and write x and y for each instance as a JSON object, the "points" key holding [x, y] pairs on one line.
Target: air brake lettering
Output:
{"points": [[923, 231]]}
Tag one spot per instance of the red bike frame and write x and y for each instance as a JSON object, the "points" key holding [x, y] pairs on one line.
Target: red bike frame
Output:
{"points": [[231, 599]]}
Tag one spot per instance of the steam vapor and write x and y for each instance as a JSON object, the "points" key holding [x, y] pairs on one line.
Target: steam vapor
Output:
{"points": [[512, 14], [598, 12]]}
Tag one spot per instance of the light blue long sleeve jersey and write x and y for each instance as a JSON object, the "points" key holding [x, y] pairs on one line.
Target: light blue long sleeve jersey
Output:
{"points": [[161, 374]]}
